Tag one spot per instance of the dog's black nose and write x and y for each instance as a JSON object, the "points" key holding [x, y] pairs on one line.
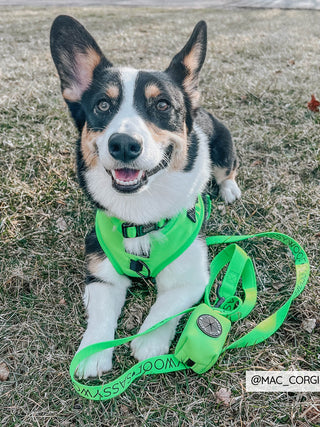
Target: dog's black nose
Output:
{"points": [[123, 147]]}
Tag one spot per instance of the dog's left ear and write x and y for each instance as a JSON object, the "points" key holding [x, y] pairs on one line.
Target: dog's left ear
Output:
{"points": [[186, 65], [75, 54]]}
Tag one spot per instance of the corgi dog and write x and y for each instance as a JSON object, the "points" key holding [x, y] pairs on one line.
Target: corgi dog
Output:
{"points": [[146, 151]]}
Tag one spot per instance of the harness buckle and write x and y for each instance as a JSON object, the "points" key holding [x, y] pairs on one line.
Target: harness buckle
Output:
{"points": [[131, 230], [126, 230], [137, 266], [191, 214]]}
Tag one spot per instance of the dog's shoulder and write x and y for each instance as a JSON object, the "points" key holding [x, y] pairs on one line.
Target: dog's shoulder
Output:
{"points": [[215, 130], [219, 139]]}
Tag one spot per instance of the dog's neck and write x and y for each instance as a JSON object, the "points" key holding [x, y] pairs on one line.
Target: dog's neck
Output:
{"points": [[138, 245]]}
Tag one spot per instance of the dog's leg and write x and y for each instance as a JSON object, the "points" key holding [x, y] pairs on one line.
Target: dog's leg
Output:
{"points": [[223, 159], [229, 189], [180, 285], [103, 298]]}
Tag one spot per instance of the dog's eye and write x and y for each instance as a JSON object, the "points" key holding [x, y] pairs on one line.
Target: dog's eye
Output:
{"points": [[163, 105], [103, 106]]}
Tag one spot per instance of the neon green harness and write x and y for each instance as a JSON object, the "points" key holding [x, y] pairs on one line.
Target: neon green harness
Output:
{"points": [[177, 234]]}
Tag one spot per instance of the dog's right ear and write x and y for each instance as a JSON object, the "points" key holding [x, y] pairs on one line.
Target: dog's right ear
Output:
{"points": [[76, 55], [186, 65]]}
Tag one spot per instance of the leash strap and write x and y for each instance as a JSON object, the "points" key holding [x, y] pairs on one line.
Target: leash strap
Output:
{"points": [[272, 323], [159, 364], [154, 365], [240, 267], [200, 350]]}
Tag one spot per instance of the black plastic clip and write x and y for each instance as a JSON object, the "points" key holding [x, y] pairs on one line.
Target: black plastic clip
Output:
{"points": [[191, 214], [137, 266], [221, 300]]}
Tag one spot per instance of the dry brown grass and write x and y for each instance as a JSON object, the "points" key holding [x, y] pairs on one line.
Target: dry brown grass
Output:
{"points": [[261, 70]]}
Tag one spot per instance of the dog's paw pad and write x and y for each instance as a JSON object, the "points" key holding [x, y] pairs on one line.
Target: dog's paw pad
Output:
{"points": [[95, 365], [148, 346], [230, 191]]}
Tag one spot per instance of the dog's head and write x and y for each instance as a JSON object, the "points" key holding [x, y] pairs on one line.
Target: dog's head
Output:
{"points": [[134, 125]]}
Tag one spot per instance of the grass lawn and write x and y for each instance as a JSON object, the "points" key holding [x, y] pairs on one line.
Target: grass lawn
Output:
{"points": [[262, 68]]}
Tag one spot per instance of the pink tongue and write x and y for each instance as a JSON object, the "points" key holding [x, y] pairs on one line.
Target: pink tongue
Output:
{"points": [[126, 174]]}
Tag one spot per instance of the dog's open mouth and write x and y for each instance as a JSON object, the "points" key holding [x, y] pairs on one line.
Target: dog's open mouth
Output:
{"points": [[127, 180]]}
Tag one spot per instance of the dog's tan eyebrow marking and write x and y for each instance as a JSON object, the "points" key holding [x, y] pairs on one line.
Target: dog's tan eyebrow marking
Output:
{"points": [[113, 92], [152, 91]]}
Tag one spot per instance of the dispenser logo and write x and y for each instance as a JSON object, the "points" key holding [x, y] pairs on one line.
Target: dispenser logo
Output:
{"points": [[209, 325]]}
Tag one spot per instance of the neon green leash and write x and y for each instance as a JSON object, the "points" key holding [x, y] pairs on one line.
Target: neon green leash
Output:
{"points": [[203, 338]]}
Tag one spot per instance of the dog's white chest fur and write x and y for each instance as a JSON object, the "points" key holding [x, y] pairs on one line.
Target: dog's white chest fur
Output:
{"points": [[138, 245]]}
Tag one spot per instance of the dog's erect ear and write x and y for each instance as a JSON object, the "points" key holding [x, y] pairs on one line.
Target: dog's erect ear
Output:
{"points": [[76, 55], [186, 65]]}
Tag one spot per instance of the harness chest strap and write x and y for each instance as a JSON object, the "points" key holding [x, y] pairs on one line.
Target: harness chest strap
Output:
{"points": [[178, 234], [193, 349]]}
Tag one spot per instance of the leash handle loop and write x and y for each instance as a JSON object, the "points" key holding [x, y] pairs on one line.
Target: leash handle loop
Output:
{"points": [[240, 266], [272, 323]]}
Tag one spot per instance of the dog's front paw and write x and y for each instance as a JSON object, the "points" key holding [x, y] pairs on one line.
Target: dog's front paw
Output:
{"points": [[150, 345], [230, 191], [95, 365]]}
